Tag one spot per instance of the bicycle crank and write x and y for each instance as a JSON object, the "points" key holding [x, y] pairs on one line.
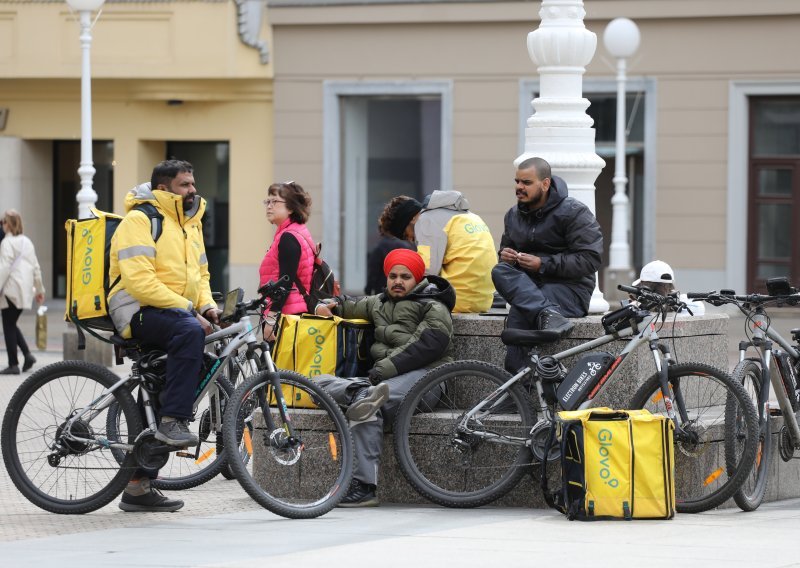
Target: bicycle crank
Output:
{"points": [[151, 453], [785, 444]]}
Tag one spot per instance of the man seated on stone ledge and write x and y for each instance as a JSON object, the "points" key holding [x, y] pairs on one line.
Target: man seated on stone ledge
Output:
{"points": [[413, 333], [550, 250]]}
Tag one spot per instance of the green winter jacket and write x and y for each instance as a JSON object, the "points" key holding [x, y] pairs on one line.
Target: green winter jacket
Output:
{"points": [[414, 332]]}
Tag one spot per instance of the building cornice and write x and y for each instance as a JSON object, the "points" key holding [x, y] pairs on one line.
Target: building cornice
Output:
{"points": [[365, 13], [141, 90]]}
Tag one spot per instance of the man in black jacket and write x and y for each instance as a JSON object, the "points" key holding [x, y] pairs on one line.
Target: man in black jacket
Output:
{"points": [[550, 250]]}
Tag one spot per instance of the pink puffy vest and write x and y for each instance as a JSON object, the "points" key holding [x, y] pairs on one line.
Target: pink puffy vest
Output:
{"points": [[269, 270]]}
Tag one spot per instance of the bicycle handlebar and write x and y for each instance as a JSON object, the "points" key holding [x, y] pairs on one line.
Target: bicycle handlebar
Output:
{"points": [[648, 297], [721, 297]]}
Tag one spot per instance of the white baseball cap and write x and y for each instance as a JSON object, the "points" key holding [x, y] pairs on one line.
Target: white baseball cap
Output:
{"points": [[656, 271]]}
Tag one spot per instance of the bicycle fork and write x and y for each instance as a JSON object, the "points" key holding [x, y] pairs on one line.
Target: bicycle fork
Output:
{"points": [[663, 359]]}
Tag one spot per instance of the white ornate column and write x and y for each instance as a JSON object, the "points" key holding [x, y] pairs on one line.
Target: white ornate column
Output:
{"points": [[560, 131]]}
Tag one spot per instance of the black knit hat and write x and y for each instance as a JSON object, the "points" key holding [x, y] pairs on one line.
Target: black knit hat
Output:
{"points": [[402, 217]]}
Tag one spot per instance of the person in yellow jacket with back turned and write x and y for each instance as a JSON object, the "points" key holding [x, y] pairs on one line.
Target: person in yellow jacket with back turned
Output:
{"points": [[457, 245], [159, 289]]}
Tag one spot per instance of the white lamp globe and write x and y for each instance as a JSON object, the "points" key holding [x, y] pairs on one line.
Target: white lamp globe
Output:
{"points": [[85, 5], [621, 38]]}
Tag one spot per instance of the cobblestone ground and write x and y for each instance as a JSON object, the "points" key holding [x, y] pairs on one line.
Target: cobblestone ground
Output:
{"points": [[23, 520]]}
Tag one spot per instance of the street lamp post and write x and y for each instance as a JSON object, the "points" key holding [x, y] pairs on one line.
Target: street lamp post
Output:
{"points": [[621, 38], [87, 196]]}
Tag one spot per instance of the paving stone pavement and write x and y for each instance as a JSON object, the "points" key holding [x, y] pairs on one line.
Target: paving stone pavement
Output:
{"points": [[221, 526]]}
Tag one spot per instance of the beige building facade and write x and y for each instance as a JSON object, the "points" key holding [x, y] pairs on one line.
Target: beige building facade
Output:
{"points": [[170, 79], [361, 100], [378, 98]]}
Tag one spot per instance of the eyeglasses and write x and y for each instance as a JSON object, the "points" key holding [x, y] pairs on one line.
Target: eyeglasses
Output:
{"points": [[271, 202]]}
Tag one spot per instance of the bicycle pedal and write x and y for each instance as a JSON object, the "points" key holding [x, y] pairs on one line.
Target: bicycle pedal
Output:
{"points": [[184, 454]]}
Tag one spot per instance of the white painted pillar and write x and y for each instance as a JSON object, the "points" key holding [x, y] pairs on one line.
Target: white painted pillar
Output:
{"points": [[560, 131]]}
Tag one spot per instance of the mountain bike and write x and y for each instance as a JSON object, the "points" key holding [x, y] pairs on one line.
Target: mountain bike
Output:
{"points": [[763, 346], [488, 427], [73, 436]]}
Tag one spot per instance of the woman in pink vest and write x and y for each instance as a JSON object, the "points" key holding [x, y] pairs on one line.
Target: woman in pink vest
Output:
{"points": [[292, 250]]}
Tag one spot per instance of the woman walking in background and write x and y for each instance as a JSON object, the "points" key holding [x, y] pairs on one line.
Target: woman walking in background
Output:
{"points": [[19, 275]]}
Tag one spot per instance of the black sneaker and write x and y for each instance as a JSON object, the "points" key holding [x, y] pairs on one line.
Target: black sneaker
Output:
{"points": [[151, 502], [12, 370], [367, 402], [29, 361], [360, 495], [551, 320], [175, 433]]}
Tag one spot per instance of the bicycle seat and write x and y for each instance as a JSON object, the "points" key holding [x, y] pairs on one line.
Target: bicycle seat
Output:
{"points": [[528, 338]]}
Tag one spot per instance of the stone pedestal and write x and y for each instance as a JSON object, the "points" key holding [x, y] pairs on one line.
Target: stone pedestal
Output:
{"points": [[96, 351]]}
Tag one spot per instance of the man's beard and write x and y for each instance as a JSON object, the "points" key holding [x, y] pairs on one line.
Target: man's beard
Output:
{"points": [[188, 202]]}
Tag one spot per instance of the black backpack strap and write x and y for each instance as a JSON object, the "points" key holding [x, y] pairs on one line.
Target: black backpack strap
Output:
{"points": [[156, 219]]}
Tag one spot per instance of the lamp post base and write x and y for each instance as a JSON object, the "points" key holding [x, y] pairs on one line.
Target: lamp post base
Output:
{"points": [[614, 276]]}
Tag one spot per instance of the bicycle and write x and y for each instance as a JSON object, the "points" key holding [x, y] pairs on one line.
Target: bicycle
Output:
{"points": [[72, 435], [756, 374], [487, 429]]}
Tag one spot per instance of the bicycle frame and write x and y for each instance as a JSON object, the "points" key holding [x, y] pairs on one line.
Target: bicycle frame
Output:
{"points": [[760, 342], [243, 332], [644, 332]]}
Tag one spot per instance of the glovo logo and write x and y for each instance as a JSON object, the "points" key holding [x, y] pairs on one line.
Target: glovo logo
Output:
{"points": [[476, 228], [319, 347], [605, 437], [88, 259]]}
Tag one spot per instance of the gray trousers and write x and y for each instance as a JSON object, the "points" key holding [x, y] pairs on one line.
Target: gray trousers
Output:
{"points": [[368, 435]]}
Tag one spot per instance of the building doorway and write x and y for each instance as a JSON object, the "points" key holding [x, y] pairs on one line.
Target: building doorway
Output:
{"points": [[66, 183], [380, 140], [377, 167], [773, 226], [211, 161]]}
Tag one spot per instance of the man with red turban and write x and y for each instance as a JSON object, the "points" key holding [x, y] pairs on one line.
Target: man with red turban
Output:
{"points": [[413, 333]]}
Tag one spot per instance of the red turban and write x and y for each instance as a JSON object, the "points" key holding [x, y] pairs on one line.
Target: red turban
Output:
{"points": [[408, 258]]}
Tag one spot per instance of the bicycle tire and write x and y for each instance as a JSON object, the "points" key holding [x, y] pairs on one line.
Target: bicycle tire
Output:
{"points": [[455, 469], [702, 478], [196, 465], [299, 479], [252, 362], [85, 477], [751, 493]]}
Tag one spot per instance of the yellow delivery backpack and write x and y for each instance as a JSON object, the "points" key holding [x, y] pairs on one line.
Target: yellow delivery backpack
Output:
{"points": [[319, 345], [614, 464], [88, 252]]}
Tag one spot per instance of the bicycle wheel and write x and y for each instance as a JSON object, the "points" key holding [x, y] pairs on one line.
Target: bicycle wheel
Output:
{"points": [[240, 368], [68, 470], [299, 478], [457, 461], [703, 480], [750, 495], [194, 466]]}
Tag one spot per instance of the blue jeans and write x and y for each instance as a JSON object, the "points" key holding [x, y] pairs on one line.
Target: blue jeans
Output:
{"points": [[178, 333], [527, 298]]}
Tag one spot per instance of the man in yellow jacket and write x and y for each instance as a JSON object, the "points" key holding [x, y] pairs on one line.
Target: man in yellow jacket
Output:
{"points": [[160, 288]]}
